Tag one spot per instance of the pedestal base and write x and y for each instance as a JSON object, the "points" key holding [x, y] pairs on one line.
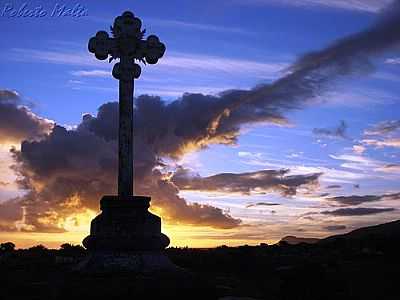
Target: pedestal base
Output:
{"points": [[126, 237]]}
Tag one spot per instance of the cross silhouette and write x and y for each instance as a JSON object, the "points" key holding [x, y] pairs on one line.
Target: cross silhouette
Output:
{"points": [[128, 45]]}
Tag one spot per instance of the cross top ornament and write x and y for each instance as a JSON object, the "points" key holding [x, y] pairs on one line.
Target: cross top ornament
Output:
{"points": [[127, 45]]}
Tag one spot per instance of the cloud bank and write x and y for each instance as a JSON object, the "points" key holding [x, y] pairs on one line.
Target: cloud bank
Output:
{"points": [[17, 122], [67, 171]]}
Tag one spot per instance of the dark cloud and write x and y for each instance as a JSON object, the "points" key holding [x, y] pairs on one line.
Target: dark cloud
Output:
{"points": [[335, 227], [358, 211], [10, 211], [17, 122], [323, 195], [262, 204], [338, 132], [67, 171], [7, 95], [334, 186], [357, 200], [383, 128], [311, 74], [245, 183], [81, 164], [2, 183]]}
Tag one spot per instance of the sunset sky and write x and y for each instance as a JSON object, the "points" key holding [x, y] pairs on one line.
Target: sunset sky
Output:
{"points": [[265, 118]]}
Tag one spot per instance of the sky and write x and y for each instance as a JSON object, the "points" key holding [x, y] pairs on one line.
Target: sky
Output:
{"points": [[264, 118]]}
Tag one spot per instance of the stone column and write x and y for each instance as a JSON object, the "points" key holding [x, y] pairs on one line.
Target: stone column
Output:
{"points": [[125, 170]]}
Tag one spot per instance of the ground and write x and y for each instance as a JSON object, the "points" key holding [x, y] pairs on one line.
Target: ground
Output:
{"points": [[341, 268]]}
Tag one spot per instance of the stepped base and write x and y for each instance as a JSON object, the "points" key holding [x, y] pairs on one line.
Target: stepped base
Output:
{"points": [[126, 237]]}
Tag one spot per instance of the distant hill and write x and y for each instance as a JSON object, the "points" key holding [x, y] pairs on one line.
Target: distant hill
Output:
{"points": [[385, 231], [294, 240]]}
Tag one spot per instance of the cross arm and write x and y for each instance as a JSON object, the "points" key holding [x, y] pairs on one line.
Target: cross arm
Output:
{"points": [[153, 49], [102, 46]]}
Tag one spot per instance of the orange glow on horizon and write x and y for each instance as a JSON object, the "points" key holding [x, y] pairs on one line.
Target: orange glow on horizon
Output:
{"points": [[77, 227]]}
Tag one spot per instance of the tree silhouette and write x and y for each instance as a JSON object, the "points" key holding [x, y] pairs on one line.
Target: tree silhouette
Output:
{"points": [[7, 247]]}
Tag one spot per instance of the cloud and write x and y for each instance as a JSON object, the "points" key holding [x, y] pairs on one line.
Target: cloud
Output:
{"points": [[362, 163], [394, 143], [308, 76], [17, 122], [359, 149], [358, 211], [334, 186], [393, 61], [259, 182], [91, 73], [261, 204], [390, 168], [357, 200], [173, 61], [383, 134], [67, 171], [338, 132], [371, 6], [179, 24], [198, 26], [383, 128], [335, 227]]}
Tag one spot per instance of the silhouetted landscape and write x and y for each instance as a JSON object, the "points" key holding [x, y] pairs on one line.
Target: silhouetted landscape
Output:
{"points": [[140, 125], [362, 264]]}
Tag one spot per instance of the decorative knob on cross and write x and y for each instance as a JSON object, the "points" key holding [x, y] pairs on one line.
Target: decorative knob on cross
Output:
{"points": [[128, 45]]}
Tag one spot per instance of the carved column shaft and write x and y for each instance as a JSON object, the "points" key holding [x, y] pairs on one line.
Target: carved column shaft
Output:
{"points": [[125, 171]]}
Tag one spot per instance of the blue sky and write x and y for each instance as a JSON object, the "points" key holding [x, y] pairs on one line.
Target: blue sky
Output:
{"points": [[213, 46]]}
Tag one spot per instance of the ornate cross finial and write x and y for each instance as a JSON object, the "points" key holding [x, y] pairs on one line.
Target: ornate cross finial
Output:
{"points": [[128, 45]]}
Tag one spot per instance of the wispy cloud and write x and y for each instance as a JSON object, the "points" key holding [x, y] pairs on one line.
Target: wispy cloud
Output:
{"points": [[358, 149], [358, 98], [221, 64], [53, 57], [330, 175], [371, 6], [357, 162], [393, 61], [180, 24], [390, 168], [175, 60], [394, 143], [91, 73], [383, 128], [372, 167], [383, 135], [198, 26]]}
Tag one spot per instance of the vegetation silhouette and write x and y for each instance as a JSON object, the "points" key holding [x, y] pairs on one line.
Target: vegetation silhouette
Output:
{"points": [[362, 264]]}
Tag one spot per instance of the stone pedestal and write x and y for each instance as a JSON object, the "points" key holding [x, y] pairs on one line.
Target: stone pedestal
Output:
{"points": [[126, 237]]}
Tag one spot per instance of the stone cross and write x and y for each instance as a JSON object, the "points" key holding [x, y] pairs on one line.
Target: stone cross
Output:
{"points": [[128, 45]]}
